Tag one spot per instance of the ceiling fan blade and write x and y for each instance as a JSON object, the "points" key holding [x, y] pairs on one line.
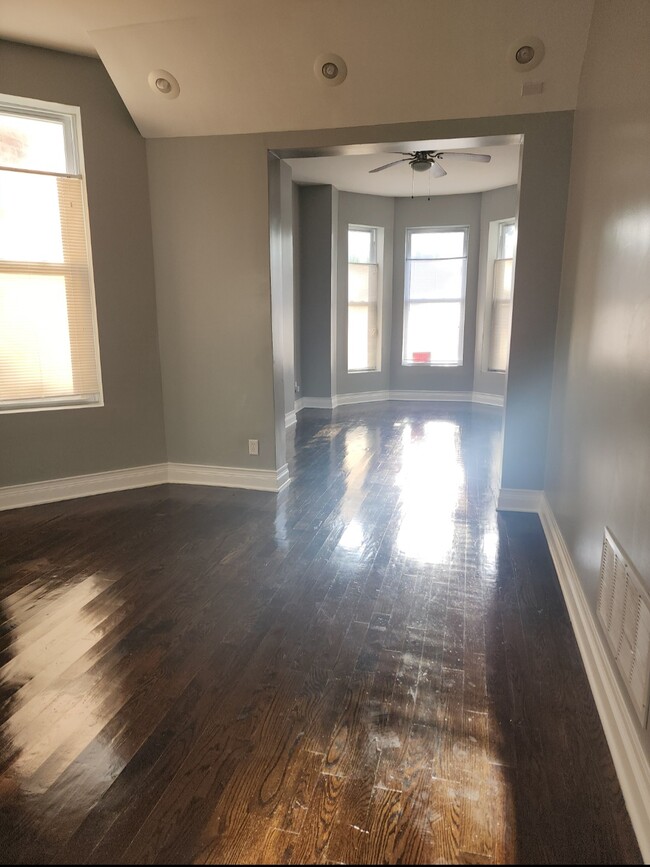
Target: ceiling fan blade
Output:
{"points": [[464, 155], [437, 170], [388, 165]]}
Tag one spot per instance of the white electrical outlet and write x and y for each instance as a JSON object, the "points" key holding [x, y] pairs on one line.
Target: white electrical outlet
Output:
{"points": [[253, 447]]}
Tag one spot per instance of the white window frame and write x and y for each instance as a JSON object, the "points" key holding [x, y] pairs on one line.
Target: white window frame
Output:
{"points": [[494, 243], [414, 230], [375, 249], [70, 117]]}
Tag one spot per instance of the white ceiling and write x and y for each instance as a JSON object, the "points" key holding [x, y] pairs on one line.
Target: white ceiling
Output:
{"points": [[351, 173], [247, 65]]}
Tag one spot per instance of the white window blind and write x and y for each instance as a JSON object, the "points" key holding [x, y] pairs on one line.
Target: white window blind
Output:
{"points": [[434, 295], [48, 338], [363, 299], [501, 308]]}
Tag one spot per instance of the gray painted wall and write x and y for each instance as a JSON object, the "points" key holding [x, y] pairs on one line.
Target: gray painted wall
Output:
{"points": [[364, 210], [540, 243], [316, 220], [277, 220], [128, 431], [495, 205], [334, 309], [286, 221], [438, 211], [295, 215], [209, 204], [599, 448]]}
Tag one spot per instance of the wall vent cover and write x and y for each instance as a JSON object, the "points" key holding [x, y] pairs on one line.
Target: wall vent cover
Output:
{"points": [[624, 612]]}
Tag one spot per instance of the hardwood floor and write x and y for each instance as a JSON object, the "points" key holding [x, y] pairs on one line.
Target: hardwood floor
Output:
{"points": [[371, 667]]}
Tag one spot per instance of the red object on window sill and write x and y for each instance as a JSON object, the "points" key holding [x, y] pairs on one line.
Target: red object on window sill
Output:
{"points": [[421, 357]]}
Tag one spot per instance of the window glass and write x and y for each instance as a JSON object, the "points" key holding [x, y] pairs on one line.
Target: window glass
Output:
{"points": [[32, 143], [432, 336], [507, 241], [360, 244], [437, 245]]}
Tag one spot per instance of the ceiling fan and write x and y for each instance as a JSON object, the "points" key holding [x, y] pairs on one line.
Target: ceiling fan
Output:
{"points": [[423, 161]]}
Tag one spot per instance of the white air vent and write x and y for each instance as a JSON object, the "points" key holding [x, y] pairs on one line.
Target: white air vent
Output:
{"points": [[624, 611]]}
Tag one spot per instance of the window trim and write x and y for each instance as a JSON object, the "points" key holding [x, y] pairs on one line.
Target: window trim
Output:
{"points": [[413, 230], [376, 246], [70, 115]]}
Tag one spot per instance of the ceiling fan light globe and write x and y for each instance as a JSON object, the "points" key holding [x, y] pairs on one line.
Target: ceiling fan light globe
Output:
{"points": [[421, 166]]}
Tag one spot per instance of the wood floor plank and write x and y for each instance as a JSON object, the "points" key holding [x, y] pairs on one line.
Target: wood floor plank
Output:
{"points": [[313, 840]]}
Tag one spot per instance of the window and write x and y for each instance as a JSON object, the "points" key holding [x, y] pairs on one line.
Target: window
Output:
{"points": [[434, 295], [501, 307], [363, 299], [48, 336]]}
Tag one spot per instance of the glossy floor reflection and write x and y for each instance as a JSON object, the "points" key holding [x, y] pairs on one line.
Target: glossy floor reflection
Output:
{"points": [[372, 667]]}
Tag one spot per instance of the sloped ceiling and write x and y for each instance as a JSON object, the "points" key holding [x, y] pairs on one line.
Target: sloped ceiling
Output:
{"points": [[247, 65]]}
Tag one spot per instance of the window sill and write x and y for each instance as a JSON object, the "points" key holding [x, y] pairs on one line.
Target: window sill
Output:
{"points": [[432, 364], [12, 409], [364, 370]]}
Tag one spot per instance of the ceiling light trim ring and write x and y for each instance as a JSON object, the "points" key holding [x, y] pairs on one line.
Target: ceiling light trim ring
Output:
{"points": [[522, 49], [163, 83], [330, 69]]}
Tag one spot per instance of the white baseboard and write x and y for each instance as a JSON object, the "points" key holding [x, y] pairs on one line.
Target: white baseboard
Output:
{"points": [[228, 477], [360, 397], [54, 490], [290, 418], [453, 396], [282, 478], [519, 500], [373, 396], [617, 719], [315, 403], [487, 399]]}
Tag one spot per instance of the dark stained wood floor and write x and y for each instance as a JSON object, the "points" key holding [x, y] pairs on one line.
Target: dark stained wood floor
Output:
{"points": [[372, 667]]}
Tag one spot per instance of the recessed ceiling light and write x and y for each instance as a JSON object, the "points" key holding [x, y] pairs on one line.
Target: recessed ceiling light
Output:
{"points": [[523, 55], [163, 83], [330, 69], [526, 53]]}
